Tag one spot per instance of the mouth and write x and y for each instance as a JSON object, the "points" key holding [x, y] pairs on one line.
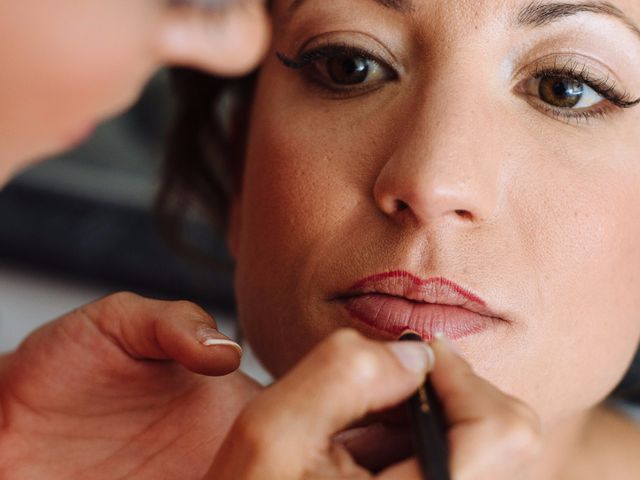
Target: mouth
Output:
{"points": [[393, 302]]}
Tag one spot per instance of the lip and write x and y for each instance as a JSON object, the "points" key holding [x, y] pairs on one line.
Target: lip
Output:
{"points": [[393, 302]]}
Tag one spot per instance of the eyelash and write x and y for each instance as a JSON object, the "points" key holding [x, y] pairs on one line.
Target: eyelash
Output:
{"points": [[308, 58], [606, 88], [326, 52]]}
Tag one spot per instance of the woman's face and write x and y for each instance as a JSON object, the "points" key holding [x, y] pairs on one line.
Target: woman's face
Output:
{"points": [[466, 167]]}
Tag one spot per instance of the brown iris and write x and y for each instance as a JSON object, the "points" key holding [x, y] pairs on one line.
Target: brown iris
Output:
{"points": [[347, 69], [561, 92]]}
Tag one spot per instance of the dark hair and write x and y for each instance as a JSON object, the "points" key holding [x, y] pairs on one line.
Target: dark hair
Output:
{"points": [[204, 154], [204, 159], [629, 389]]}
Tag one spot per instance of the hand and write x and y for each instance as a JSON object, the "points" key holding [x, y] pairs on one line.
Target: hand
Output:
{"points": [[113, 390], [289, 431], [492, 436]]}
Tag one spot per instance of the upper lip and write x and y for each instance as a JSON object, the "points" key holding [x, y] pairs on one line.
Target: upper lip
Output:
{"points": [[433, 290]]}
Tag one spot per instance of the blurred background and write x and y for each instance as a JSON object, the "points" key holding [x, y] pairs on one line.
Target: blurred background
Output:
{"points": [[80, 226]]}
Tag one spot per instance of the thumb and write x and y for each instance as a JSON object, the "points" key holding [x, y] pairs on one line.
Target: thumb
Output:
{"points": [[224, 40], [148, 329], [288, 427]]}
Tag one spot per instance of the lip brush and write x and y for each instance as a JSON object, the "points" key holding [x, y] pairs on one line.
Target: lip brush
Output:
{"points": [[428, 426]]}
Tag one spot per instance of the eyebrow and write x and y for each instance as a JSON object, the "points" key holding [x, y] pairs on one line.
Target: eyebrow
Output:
{"points": [[536, 14], [539, 14], [402, 6]]}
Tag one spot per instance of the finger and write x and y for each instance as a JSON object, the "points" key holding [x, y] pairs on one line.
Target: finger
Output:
{"points": [[487, 426], [227, 40], [345, 377], [378, 445], [158, 330]]}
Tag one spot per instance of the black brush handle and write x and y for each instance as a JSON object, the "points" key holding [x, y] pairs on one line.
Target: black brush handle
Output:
{"points": [[429, 427]]}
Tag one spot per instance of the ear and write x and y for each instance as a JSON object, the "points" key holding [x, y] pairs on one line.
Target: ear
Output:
{"points": [[230, 40], [234, 227]]}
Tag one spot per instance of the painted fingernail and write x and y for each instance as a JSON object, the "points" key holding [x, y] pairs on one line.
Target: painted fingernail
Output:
{"points": [[210, 337], [415, 356]]}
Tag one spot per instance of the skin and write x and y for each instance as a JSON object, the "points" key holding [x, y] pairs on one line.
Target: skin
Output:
{"points": [[69, 65], [531, 212], [121, 388]]}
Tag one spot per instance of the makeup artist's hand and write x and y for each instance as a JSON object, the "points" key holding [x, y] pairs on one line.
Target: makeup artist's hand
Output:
{"points": [[288, 432], [492, 436], [113, 390]]}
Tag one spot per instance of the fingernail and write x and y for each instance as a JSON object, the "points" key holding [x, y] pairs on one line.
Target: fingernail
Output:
{"points": [[417, 357], [210, 337], [446, 342]]}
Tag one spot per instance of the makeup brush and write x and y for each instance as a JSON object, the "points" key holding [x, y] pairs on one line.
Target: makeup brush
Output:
{"points": [[428, 425]]}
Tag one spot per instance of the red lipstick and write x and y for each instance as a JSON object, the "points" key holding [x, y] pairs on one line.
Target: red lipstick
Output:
{"points": [[396, 301]]}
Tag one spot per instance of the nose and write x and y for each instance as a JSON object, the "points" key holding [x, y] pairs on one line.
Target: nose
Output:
{"points": [[445, 165]]}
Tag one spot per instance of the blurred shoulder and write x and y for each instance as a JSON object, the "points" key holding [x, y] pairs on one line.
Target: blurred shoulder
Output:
{"points": [[630, 411], [618, 439]]}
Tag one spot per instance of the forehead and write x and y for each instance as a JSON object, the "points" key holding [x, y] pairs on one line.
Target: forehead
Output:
{"points": [[458, 12]]}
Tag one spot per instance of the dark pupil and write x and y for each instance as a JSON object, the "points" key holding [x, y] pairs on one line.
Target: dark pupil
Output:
{"points": [[346, 70], [561, 92]]}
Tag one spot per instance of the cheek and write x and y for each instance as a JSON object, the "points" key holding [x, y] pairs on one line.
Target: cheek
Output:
{"points": [[290, 200], [582, 233], [607, 259], [303, 180], [596, 267], [304, 191]]}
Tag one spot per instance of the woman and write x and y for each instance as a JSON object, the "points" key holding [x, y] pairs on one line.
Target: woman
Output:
{"points": [[101, 392], [466, 167]]}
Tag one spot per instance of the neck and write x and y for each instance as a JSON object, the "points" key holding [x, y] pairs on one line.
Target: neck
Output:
{"points": [[559, 445], [595, 444]]}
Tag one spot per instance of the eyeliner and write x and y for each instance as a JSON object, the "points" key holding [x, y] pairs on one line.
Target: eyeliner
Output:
{"points": [[428, 426]]}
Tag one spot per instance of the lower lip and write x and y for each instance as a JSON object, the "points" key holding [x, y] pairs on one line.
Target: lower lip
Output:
{"points": [[394, 315]]}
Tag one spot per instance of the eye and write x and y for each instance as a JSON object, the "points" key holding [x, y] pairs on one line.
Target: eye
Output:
{"points": [[342, 69], [347, 70], [564, 92], [572, 91]]}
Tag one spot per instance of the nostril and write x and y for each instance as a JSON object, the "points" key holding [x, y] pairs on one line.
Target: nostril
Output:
{"points": [[464, 214], [401, 206]]}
